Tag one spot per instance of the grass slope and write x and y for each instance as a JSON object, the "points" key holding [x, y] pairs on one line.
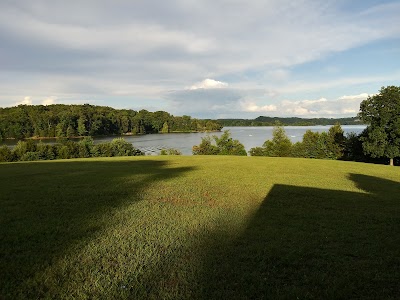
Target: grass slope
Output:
{"points": [[199, 227]]}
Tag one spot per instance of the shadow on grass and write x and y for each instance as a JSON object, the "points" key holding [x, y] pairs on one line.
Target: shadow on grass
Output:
{"points": [[46, 208], [311, 243]]}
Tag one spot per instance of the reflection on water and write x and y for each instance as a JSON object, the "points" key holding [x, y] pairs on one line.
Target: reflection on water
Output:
{"points": [[250, 137]]}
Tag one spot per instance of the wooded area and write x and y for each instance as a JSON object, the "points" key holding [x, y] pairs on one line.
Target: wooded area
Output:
{"points": [[292, 121], [25, 121]]}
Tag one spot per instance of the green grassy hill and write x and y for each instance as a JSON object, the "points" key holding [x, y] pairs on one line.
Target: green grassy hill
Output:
{"points": [[199, 227]]}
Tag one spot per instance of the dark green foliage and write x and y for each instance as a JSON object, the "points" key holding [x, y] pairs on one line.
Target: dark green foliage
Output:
{"points": [[46, 151], [85, 148], [314, 145], [257, 151], [23, 147], [228, 146], [63, 152], [335, 141], [308, 147], [30, 156], [5, 154], [352, 149], [206, 147], [382, 113], [280, 146], [170, 151], [117, 147], [294, 121], [60, 120], [120, 147], [224, 145]]}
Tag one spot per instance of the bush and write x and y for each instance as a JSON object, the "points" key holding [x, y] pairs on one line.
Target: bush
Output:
{"points": [[205, 148], [63, 151], [85, 147], [5, 154], [46, 151], [225, 145], [257, 151], [28, 151], [280, 145], [20, 149], [170, 151], [120, 147], [30, 156]]}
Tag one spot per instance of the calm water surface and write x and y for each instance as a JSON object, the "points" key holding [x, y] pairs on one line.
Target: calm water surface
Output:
{"points": [[250, 137]]}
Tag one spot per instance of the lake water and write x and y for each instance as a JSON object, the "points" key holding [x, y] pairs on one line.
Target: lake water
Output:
{"points": [[250, 137]]}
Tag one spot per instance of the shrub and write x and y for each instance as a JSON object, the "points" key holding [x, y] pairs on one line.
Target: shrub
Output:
{"points": [[63, 152], [280, 145], [5, 154], [46, 151], [205, 148], [170, 151], [85, 147], [225, 145], [120, 147], [30, 156]]}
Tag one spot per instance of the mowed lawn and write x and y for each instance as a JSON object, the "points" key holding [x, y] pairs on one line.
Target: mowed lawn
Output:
{"points": [[199, 228]]}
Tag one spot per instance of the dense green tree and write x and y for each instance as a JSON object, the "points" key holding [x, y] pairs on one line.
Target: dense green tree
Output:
{"points": [[311, 145], [382, 113], [280, 145], [335, 142], [206, 147], [80, 120], [224, 145], [228, 146], [325, 145], [352, 149], [120, 147]]}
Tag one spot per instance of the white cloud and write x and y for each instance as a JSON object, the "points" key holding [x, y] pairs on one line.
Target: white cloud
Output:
{"points": [[342, 106], [48, 101], [250, 106], [141, 49], [208, 84], [27, 101], [358, 97]]}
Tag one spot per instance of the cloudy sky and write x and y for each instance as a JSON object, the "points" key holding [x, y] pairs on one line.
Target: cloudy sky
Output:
{"points": [[219, 58]]}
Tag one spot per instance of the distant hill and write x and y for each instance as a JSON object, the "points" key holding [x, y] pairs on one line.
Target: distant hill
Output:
{"points": [[292, 121]]}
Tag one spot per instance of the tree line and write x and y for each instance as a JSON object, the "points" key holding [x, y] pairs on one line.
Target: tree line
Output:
{"points": [[319, 145], [293, 121], [29, 150], [59, 120]]}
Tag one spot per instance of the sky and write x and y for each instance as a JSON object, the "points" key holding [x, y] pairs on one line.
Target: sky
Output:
{"points": [[206, 59]]}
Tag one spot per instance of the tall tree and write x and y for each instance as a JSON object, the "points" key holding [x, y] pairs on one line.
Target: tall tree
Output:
{"points": [[382, 113]]}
